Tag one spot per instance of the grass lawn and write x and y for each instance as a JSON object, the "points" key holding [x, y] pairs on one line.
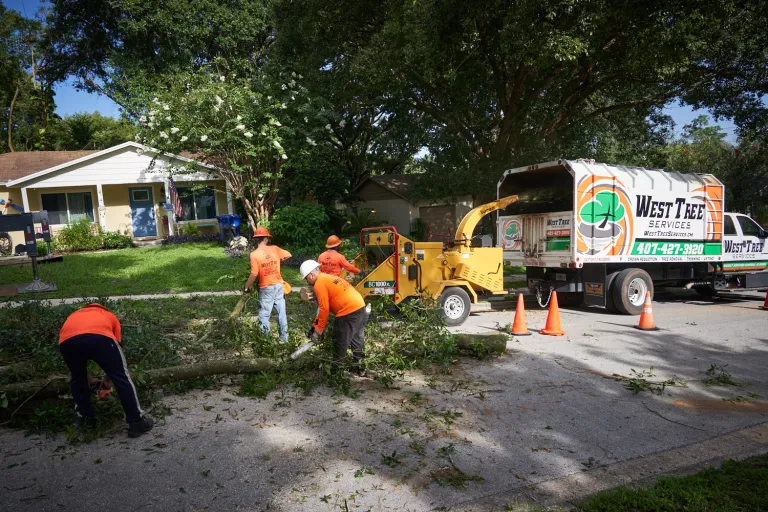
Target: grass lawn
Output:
{"points": [[734, 487], [162, 269]]}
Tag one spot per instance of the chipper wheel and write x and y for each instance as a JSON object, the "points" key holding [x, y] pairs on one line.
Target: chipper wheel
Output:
{"points": [[455, 305]]}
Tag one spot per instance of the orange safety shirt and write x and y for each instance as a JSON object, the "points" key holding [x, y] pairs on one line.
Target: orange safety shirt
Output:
{"points": [[265, 263], [92, 319], [337, 296], [331, 262]]}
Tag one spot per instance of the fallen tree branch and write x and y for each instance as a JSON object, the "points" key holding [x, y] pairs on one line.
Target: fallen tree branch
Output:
{"points": [[60, 384]]}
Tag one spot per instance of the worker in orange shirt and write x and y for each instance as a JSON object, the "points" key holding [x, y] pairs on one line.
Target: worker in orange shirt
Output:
{"points": [[337, 296], [93, 334], [265, 266], [332, 261]]}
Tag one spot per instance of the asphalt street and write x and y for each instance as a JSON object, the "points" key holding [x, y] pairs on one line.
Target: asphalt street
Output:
{"points": [[550, 409]]}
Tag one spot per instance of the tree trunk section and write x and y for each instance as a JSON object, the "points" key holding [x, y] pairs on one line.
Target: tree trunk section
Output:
{"points": [[10, 120], [60, 384]]}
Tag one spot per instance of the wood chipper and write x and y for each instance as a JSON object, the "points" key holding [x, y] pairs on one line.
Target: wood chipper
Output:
{"points": [[452, 274]]}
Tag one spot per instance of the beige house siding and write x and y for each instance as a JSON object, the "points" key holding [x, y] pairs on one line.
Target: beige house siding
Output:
{"points": [[6, 193], [116, 170]]}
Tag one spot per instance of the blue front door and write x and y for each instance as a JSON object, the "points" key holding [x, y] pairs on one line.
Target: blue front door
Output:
{"points": [[142, 211]]}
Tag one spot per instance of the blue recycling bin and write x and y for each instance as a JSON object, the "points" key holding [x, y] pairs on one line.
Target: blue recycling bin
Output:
{"points": [[228, 223]]}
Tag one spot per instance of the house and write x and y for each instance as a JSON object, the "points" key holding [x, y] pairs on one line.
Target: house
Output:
{"points": [[120, 189], [390, 197]]}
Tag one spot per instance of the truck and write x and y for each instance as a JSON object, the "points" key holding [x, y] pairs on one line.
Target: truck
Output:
{"points": [[604, 235]]}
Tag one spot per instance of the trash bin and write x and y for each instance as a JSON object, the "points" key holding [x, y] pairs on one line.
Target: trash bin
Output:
{"points": [[229, 226]]}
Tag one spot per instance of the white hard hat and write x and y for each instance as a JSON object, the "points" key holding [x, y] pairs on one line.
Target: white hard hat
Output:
{"points": [[308, 267]]}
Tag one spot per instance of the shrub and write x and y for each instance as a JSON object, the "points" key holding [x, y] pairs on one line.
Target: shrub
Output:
{"points": [[362, 219], [187, 239], [189, 230], [116, 240], [78, 237], [301, 226], [419, 230]]}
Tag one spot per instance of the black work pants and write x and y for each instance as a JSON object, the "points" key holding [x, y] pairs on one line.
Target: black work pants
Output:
{"points": [[106, 352], [348, 332]]}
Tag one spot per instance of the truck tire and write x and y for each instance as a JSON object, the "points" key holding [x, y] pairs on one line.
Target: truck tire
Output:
{"points": [[454, 305], [629, 288], [705, 290], [610, 305]]}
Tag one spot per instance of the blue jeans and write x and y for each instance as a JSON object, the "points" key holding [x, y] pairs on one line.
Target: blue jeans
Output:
{"points": [[269, 297]]}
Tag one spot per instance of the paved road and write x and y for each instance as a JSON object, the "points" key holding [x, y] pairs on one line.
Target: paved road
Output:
{"points": [[544, 411]]}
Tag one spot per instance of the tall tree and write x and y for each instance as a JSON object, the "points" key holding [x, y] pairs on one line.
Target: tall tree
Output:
{"points": [[123, 46], [87, 130], [502, 79], [26, 83], [244, 127]]}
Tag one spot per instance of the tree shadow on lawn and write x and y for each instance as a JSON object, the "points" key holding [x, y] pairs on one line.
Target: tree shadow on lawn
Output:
{"points": [[514, 422]]}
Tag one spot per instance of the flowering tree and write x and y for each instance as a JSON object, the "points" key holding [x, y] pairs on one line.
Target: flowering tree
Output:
{"points": [[244, 127]]}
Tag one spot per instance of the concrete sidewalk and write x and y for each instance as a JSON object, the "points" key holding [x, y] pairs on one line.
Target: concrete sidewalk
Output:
{"points": [[76, 300]]}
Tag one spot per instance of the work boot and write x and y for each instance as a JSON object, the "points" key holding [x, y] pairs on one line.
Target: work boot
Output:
{"points": [[140, 427]]}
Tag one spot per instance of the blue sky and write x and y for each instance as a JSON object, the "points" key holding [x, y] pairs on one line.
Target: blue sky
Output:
{"points": [[69, 100]]}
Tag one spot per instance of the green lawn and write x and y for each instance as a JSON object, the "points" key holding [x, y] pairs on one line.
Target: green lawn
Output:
{"points": [[163, 269], [734, 487]]}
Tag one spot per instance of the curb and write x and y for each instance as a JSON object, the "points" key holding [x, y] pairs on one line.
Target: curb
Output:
{"points": [[563, 492]]}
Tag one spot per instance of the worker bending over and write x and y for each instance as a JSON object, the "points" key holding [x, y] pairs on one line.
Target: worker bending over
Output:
{"points": [[332, 261], [265, 266], [93, 334], [335, 295]]}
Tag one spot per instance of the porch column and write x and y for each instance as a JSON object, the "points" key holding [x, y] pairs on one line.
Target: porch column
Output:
{"points": [[102, 208], [172, 214], [24, 199], [230, 206]]}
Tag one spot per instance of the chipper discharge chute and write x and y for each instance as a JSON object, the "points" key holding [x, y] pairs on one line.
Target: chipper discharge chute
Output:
{"points": [[455, 277]]}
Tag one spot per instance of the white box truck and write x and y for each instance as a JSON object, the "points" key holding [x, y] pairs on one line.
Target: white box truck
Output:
{"points": [[605, 234]]}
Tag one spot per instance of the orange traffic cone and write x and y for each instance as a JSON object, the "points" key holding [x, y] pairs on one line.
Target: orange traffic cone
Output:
{"points": [[519, 328], [552, 328], [764, 307], [646, 317]]}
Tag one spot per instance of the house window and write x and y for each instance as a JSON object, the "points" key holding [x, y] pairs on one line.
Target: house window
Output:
{"points": [[197, 203], [140, 195], [66, 208]]}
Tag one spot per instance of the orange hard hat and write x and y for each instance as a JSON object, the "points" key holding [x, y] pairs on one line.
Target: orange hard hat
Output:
{"points": [[333, 241], [261, 231]]}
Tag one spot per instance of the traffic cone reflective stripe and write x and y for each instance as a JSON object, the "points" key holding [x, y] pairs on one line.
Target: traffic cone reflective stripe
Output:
{"points": [[646, 317], [519, 328], [552, 328]]}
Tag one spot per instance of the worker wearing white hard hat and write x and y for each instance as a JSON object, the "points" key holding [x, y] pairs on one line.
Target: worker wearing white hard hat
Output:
{"points": [[335, 295]]}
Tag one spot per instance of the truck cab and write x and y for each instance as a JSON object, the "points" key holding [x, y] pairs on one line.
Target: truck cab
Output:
{"points": [[744, 243]]}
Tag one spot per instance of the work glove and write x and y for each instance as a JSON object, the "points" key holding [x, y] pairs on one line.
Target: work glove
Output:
{"points": [[313, 335]]}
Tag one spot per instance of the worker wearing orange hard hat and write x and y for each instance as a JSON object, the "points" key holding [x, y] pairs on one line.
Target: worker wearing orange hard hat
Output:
{"points": [[332, 261], [265, 266]]}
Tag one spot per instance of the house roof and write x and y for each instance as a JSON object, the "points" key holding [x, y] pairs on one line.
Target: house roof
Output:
{"points": [[399, 184], [69, 158], [23, 163]]}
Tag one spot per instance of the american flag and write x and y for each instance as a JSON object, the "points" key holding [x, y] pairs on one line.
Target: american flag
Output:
{"points": [[177, 211]]}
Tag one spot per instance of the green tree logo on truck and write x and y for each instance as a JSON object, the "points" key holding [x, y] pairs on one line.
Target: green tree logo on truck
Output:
{"points": [[512, 232], [604, 208]]}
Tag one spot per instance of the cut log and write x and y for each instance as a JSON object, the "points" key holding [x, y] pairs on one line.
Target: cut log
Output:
{"points": [[57, 385], [476, 343]]}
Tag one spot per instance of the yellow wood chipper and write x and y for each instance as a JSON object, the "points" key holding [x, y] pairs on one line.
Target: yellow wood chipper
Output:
{"points": [[454, 275]]}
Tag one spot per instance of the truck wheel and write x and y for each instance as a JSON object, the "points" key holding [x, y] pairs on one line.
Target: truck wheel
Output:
{"points": [[705, 291], [629, 289], [610, 305], [454, 306]]}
